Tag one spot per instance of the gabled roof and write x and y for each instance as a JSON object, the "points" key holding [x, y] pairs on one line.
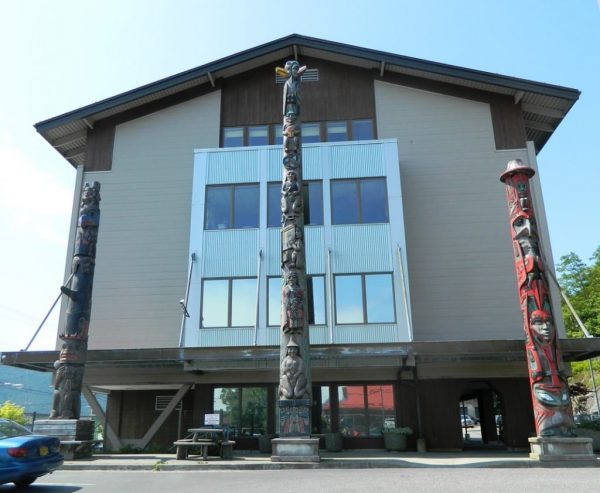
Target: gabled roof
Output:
{"points": [[543, 105]]}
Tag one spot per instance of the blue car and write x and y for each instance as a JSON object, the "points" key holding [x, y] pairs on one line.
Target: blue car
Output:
{"points": [[25, 457]]}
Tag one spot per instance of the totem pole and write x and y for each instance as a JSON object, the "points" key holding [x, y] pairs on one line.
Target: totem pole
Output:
{"points": [[70, 365], [294, 378], [549, 389]]}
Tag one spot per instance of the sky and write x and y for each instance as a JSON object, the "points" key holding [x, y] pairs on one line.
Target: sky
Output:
{"points": [[60, 55]]}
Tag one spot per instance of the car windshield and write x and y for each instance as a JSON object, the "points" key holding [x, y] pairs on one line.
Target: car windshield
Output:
{"points": [[10, 429]]}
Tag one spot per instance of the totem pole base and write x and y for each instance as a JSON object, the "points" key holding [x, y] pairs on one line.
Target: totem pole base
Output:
{"points": [[563, 451], [76, 435], [295, 449]]}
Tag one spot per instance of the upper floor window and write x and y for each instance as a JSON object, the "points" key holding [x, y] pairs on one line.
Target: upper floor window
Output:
{"points": [[229, 302], [364, 299], [362, 129], [233, 137], [332, 131], [313, 203], [359, 201], [337, 131], [315, 297], [232, 206], [258, 136]]}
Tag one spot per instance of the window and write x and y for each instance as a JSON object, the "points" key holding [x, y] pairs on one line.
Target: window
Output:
{"points": [[359, 201], [311, 132], [258, 136], [233, 137], [313, 203], [362, 129], [337, 131], [315, 297], [277, 136], [244, 409], [229, 302], [364, 410], [364, 299], [231, 206]]}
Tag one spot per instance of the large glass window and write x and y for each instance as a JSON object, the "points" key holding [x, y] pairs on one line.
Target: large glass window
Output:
{"points": [[316, 300], [364, 299], [359, 201], [313, 203], [229, 302], [231, 206], [233, 137], [244, 409], [365, 410]]}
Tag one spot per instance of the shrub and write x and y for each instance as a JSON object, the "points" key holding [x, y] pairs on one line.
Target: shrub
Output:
{"points": [[10, 410]]}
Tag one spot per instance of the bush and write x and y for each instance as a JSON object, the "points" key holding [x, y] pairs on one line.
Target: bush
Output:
{"points": [[10, 410], [590, 425]]}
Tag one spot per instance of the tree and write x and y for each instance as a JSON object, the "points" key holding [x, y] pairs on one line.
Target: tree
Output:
{"points": [[9, 410], [581, 283]]}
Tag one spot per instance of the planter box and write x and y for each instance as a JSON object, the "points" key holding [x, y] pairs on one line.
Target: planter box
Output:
{"points": [[394, 441]]}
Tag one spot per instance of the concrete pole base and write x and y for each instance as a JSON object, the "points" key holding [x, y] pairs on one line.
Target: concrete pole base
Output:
{"points": [[563, 450], [295, 449]]}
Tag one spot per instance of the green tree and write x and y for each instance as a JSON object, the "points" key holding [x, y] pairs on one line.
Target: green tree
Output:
{"points": [[9, 410], [581, 283]]}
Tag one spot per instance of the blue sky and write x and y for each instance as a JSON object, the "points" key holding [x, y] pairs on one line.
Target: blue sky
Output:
{"points": [[61, 55]]}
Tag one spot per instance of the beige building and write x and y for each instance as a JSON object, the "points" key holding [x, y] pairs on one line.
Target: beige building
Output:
{"points": [[413, 304]]}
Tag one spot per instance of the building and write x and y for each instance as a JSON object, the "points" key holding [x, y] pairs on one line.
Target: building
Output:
{"points": [[412, 285]]}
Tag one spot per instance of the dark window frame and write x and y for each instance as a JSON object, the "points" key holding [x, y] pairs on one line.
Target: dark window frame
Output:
{"points": [[363, 286], [229, 301], [358, 182], [231, 219]]}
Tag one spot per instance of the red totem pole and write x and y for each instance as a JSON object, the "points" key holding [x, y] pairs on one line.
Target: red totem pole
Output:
{"points": [[549, 389]]}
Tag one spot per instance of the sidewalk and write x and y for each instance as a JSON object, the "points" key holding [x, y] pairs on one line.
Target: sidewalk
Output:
{"points": [[350, 459]]}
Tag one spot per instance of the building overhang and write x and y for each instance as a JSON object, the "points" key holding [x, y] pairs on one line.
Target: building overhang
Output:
{"points": [[398, 355], [543, 105]]}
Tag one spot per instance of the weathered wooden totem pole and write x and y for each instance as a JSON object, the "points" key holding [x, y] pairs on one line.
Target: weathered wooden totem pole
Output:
{"points": [[70, 365], [549, 389], [295, 402]]}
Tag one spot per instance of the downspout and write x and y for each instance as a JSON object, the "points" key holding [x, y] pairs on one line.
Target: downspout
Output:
{"points": [[256, 319], [184, 302]]}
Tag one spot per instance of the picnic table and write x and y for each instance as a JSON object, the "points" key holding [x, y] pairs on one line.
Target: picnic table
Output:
{"points": [[202, 438]]}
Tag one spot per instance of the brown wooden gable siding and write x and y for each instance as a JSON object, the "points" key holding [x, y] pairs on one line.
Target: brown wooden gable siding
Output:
{"points": [[507, 119], [100, 140], [343, 92]]}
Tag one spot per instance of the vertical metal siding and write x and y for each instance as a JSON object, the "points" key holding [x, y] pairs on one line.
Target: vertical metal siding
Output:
{"points": [[274, 166], [360, 334], [357, 160], [361, 248], [312, 161], [226, 336], [233, 166], [315, 251], [230, 253]]}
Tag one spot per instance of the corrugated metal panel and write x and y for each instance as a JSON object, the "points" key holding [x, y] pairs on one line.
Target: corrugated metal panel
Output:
{"points": [[315, 262], [312, 159], [354, 160], [360, 334], [226, 336], [273, 336], [361, 248], [273, 253], [230, 253], [315, 250], [319, 334], [232, 166], [275, 167]]}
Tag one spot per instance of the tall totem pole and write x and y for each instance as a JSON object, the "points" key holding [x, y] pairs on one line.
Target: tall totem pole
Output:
{"points": [[70, 365], [294, 377], [549, 390]]}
